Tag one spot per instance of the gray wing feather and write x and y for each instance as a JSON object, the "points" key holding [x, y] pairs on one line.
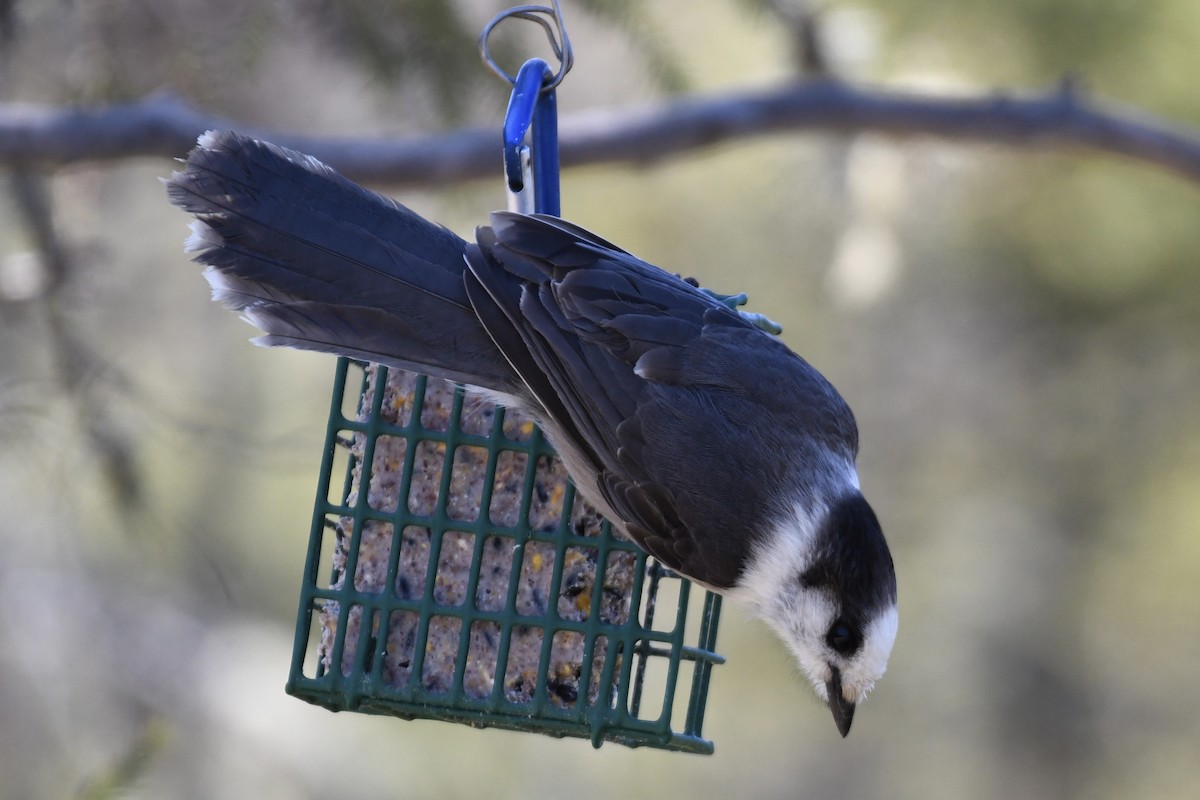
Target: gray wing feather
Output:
{"points": [[666, 392]]}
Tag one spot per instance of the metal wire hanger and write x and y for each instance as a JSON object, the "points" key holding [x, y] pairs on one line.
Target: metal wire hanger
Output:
{"points": [[551, 20]]}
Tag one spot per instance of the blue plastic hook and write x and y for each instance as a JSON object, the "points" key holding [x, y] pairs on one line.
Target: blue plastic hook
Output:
{"points": [[533, 112]]}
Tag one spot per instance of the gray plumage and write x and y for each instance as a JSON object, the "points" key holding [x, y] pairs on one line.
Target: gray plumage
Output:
{"points": [[710, 443], [618, 359]]}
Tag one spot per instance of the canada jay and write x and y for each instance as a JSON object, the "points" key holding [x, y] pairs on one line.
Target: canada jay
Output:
{"points": [[713, 446]]}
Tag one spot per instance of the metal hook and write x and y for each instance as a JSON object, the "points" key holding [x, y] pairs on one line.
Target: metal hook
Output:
{"points": [[557, 34]]}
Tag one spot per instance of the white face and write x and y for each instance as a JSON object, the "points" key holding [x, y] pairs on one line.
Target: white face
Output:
{"points": [[804, 621], [803, 617]]}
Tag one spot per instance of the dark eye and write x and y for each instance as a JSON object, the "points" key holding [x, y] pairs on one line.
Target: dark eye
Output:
{"points": [[843, 639]]}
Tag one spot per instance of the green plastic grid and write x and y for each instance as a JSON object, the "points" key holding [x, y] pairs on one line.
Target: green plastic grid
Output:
{"points": [[632, 712]]}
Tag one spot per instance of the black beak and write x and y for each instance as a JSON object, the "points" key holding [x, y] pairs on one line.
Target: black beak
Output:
{"points": [[843, 711]]}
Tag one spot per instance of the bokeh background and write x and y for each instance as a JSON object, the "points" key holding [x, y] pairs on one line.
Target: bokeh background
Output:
{"points": [[1018, 331]]}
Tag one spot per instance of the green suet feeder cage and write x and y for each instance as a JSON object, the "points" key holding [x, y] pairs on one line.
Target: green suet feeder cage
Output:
{"points": [[453, 574]]}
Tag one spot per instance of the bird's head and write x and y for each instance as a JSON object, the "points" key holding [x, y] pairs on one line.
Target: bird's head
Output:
{"points": [[825, 583]]}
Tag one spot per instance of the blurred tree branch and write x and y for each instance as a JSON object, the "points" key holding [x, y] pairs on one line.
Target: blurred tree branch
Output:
{"points": [[76, 361], [1065, 118]]}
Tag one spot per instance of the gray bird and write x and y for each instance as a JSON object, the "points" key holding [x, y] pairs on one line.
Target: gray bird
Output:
{"points": [[717, 449]]}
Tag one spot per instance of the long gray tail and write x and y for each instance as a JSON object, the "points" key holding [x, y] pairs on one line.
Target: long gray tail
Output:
{"points": [[319, 263]]}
